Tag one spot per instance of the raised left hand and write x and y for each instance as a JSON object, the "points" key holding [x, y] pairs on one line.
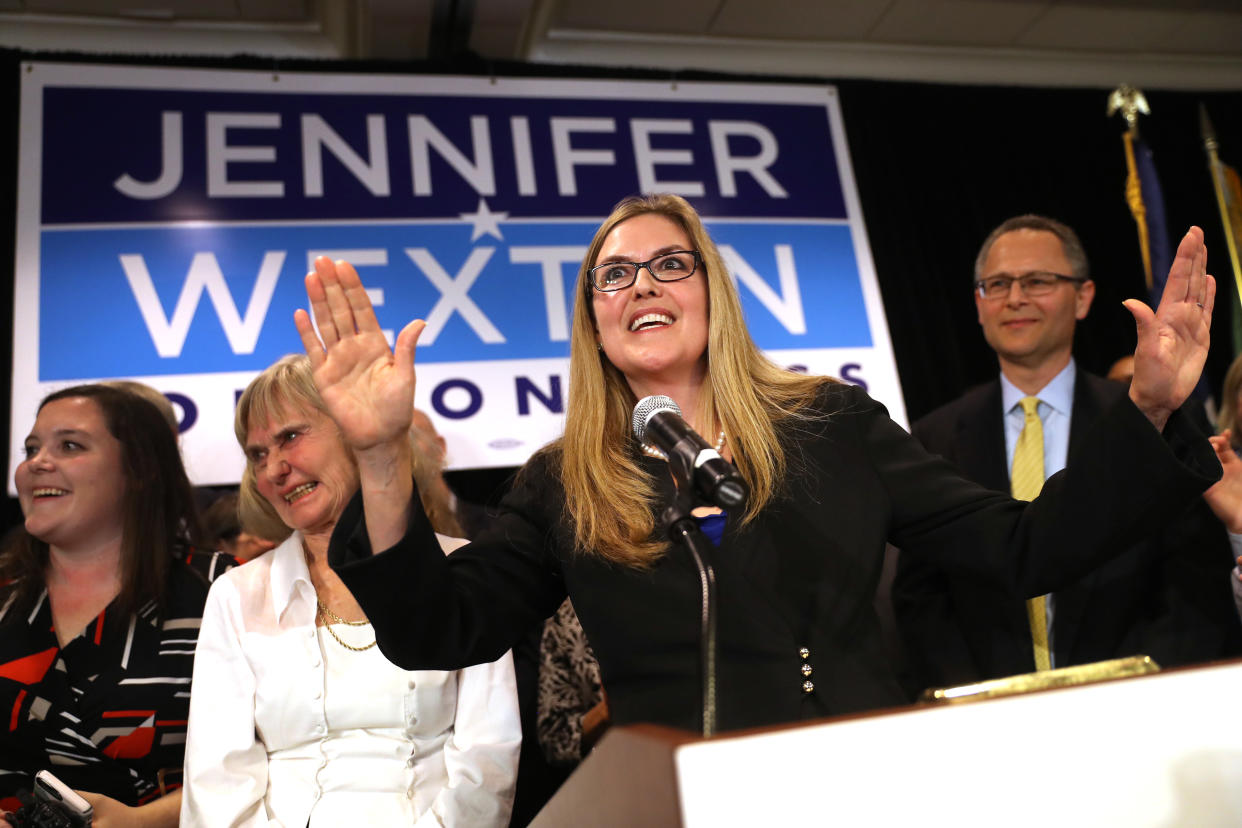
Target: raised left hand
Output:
{"points": [[367, 387], [1173, 340]]}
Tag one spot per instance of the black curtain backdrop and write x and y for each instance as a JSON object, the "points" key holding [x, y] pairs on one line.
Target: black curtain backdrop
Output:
{"points": [[936, 166]]}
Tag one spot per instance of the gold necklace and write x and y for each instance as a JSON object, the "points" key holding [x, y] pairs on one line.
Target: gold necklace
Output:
{"points": [[326, 613], [652, 451], [338, 619]]}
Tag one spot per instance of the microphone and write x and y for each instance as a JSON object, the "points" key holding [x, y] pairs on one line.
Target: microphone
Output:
{"points": [[657, 420]]}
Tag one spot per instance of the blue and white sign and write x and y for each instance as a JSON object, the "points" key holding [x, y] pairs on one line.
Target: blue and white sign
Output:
{"points": [[166, 218]]}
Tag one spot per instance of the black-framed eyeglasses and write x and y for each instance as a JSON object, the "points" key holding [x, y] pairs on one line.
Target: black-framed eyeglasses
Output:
{"points": [[1035, 283], [667, 267]]}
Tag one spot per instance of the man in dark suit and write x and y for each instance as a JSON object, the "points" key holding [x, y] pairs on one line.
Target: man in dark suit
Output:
{"points": [[1166, 597]]}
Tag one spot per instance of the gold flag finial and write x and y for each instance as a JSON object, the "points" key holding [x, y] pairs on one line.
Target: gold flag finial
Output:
{"points": [[1129, 102]]}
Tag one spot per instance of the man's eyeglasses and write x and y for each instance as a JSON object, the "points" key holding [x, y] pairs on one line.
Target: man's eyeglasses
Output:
{"points": [[1035, 283], [668, 267]]}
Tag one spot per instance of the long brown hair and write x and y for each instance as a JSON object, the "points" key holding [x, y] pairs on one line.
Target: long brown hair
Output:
{"points": [[159, 520], [607, 495]]}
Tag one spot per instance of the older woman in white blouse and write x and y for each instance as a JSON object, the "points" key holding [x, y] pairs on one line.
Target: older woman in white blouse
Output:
{"points": [[296, 718]]}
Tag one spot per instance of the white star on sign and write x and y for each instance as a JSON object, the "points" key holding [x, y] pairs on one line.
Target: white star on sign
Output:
{"points": [[484, 221]]}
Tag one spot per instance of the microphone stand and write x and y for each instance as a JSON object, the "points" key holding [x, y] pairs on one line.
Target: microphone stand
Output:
{"points": [[683, 528]]}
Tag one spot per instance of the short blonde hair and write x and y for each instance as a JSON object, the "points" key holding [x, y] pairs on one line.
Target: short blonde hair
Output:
{"points": [[286, 386]]}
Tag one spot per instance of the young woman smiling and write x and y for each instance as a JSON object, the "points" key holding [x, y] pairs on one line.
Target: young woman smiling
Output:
{"points": [[98, 617]]}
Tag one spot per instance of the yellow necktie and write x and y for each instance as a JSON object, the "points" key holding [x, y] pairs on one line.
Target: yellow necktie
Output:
{"points": [[1025, 481]]}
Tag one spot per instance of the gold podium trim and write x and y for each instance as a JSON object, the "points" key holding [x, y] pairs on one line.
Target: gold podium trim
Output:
{"points": [[1027, 682]]}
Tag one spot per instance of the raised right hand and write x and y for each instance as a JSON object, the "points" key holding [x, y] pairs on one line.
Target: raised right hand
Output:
{"points": [[367, 387], [1173, 339]]}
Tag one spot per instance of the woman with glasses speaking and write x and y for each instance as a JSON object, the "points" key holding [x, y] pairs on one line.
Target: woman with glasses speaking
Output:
{"points": [[822, 478]]}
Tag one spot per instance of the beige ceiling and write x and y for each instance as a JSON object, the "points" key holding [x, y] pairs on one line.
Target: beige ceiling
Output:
{"points": [[1155, 43]]}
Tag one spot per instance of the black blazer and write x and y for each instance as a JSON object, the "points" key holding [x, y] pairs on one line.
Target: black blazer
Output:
{"points": [[1168, 596], [803, 573]]}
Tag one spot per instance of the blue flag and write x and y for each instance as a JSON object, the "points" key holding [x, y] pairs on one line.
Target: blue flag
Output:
{"points": [[1146, 202]]}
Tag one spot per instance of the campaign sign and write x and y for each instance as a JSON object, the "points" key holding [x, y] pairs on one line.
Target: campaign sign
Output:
{"points": [[166, 218]]}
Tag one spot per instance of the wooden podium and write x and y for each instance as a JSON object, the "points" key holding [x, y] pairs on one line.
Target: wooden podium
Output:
{"points": [[1160, 750]]}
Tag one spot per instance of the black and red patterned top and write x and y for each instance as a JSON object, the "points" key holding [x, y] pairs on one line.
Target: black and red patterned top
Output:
{"points": [[210, 565], [107, 712]]}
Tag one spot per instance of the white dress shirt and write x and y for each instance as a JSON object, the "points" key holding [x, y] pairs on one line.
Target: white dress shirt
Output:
{"points": [[288, 727]]}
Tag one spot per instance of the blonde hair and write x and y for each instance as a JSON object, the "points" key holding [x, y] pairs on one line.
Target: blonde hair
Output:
{"points": [[607, 496], [1229, 411], [286, 386], [433, 492]]}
